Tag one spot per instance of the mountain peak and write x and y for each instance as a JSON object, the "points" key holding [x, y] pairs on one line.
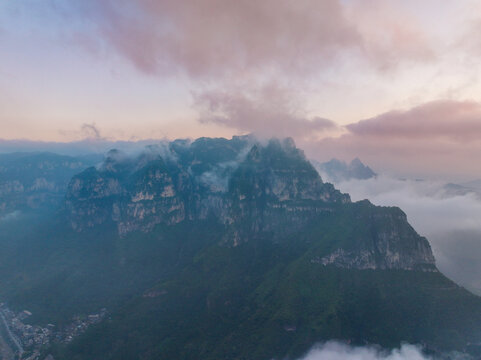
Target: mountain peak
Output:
{"points": [[203, 178], [252, 189], [336, 170]]}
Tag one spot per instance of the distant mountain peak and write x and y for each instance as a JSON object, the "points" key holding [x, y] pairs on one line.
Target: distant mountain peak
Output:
{"points": [[336, 170], [356, 162]]}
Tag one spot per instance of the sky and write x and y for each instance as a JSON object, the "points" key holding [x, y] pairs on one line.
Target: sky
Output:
{"points": [[395, 82]]}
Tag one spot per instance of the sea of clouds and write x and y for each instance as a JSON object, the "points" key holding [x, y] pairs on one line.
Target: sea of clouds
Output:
{"points": [[450, 221]]}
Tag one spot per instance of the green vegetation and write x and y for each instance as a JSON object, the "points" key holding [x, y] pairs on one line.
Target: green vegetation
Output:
{"points": [[262, 299]]}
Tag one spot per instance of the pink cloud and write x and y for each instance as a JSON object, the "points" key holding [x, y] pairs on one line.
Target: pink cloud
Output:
{"points": [[269, 110], [441, 137], [218, 38], [224, 43], [390, 33], [470, 39], [214, 37], [451, 120]]}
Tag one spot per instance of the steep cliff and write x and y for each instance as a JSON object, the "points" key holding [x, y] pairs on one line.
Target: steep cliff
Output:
{"points": [[250, 188]]}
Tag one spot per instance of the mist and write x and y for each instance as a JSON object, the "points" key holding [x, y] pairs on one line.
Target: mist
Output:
{"points": [[74, 148], [449, 221], [10, 216]]}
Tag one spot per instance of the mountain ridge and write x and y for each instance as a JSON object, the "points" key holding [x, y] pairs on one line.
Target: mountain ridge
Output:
{"points": [[267, 183], [232, 249]]}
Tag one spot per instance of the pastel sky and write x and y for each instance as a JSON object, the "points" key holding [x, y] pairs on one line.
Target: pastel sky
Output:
{"points": [[395, 82]]}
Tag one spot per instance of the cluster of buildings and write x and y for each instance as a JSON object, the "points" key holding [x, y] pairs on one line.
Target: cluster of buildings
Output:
{"points": [[28, 340], [78, 326]]}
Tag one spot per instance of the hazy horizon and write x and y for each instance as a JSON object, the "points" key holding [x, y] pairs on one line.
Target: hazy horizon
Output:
{"points": [[393, 82]]}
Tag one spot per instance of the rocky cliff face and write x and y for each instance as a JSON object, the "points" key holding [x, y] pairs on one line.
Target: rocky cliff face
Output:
{"points": [[250, 188], [383, 240], [230, 180]]}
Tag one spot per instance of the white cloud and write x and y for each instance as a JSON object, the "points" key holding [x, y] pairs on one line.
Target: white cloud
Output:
{"points": [[333, 350]]}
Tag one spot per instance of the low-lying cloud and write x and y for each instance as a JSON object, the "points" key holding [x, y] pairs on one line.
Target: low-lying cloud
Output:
{"points": [[450, 221], [333, 350], [91, 131]]}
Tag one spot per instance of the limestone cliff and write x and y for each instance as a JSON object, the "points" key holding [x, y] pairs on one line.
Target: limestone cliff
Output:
{"points": [[254, 190]]}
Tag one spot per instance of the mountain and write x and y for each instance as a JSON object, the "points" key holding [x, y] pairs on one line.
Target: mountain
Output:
{"points": [[452, 189], [33, 180], [208, 179], [272, 189], [336, 170], [229, 249]]}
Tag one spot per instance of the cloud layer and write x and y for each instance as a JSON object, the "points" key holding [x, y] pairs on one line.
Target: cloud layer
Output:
{"points": [[216, 38], [338, 351], [267, 111], [274, 67], [450, 120]]}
